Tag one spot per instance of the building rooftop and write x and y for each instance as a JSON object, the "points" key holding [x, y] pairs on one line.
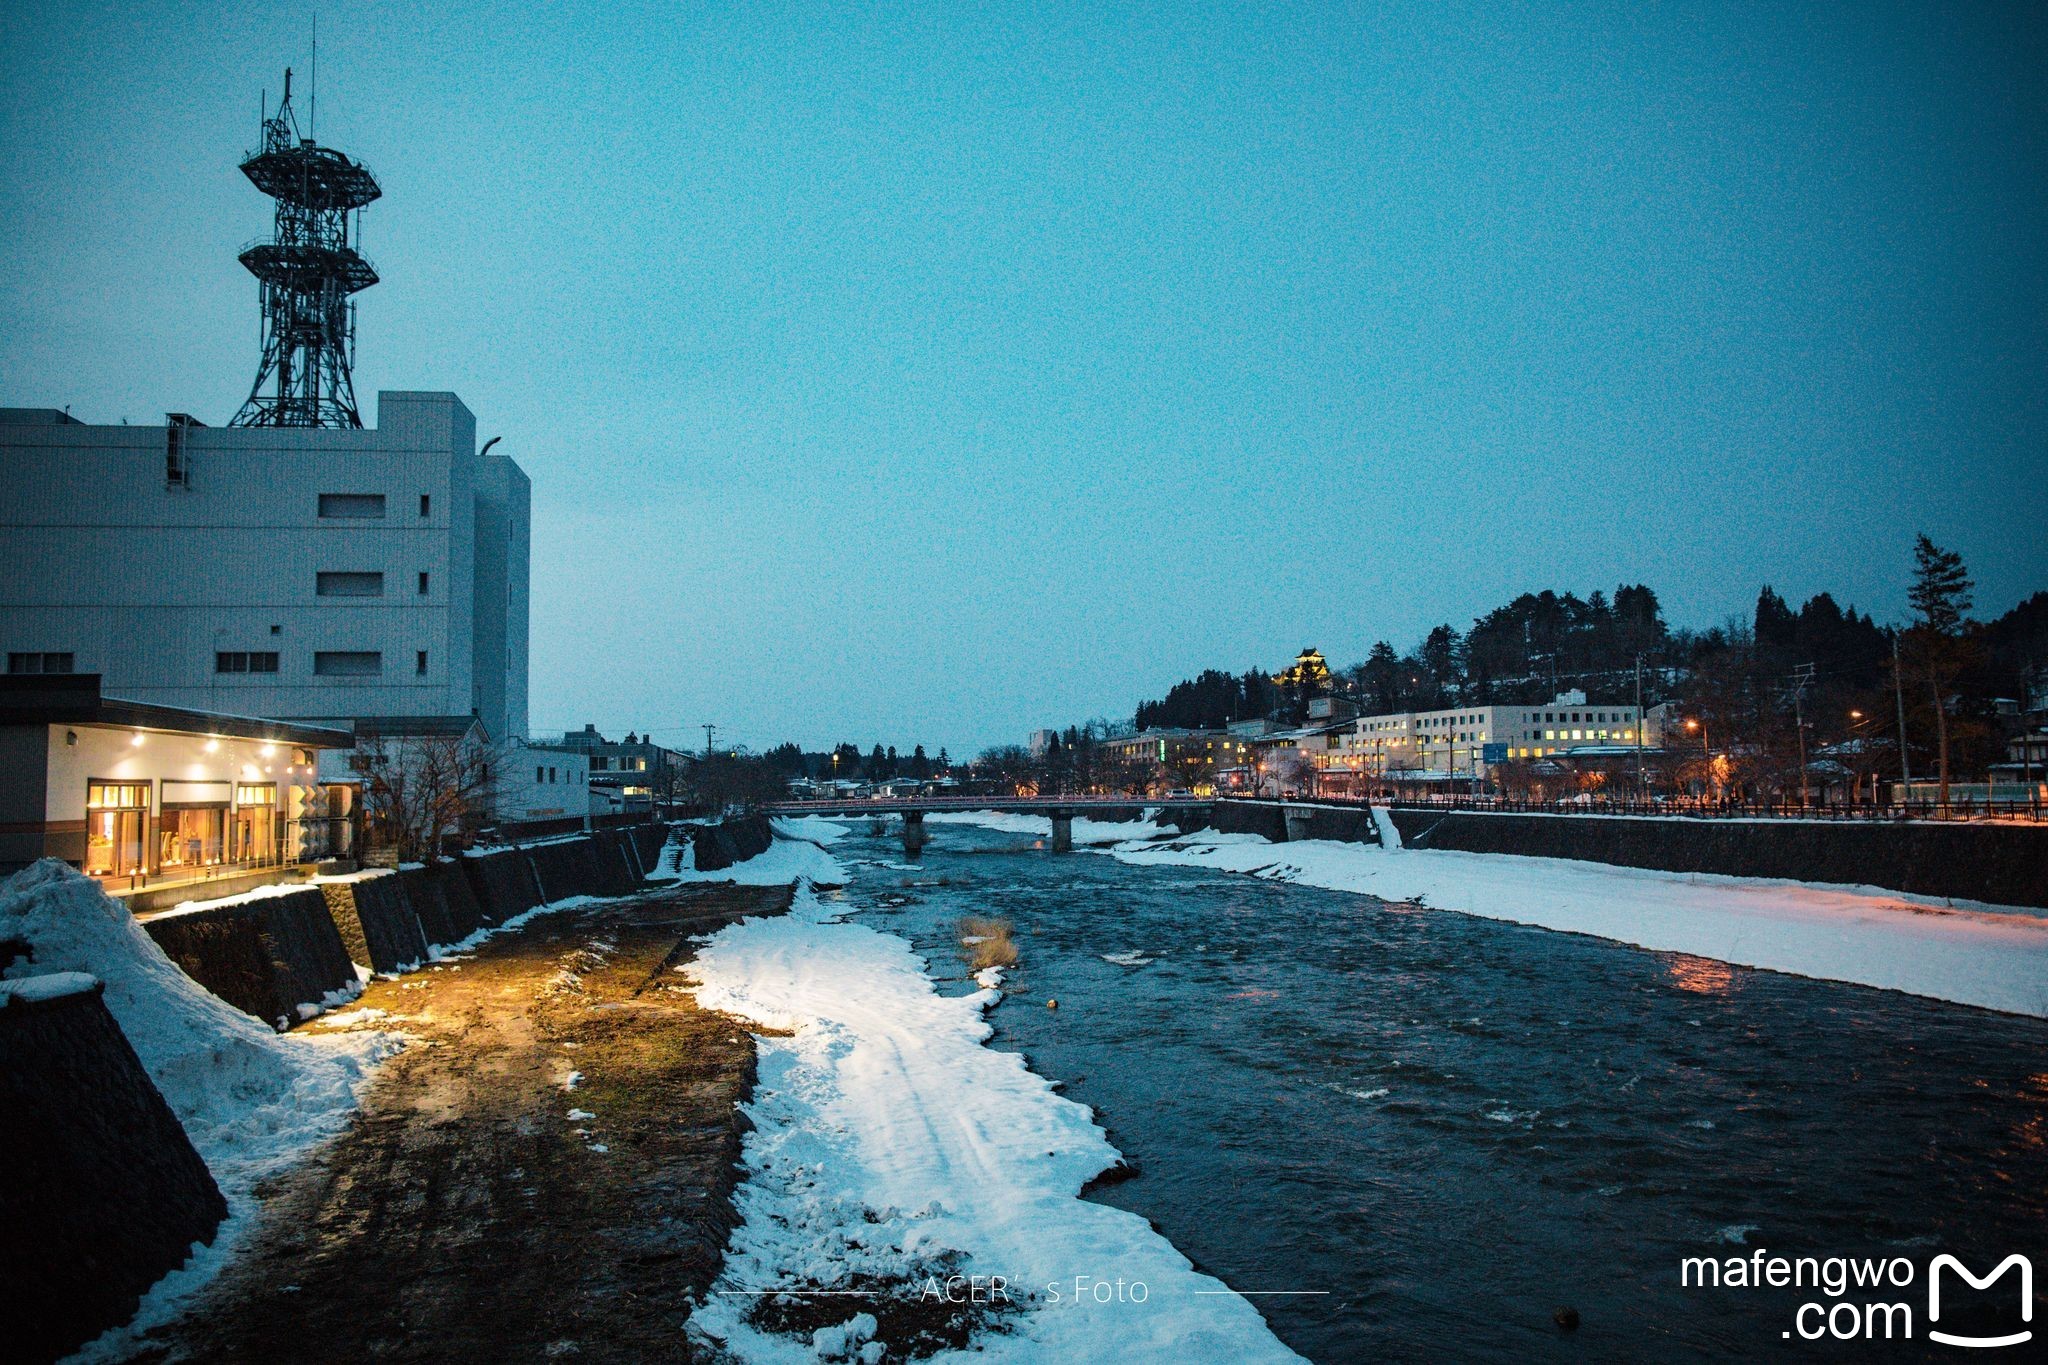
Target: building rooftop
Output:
{"points": [[74, 699]]}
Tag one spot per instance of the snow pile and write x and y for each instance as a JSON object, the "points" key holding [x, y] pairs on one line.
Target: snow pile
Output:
{"points": [[890, 1143], [250, 1101], [267, 891], [785, 861], [678, 854], [1869, 938], [1086, 831], [815, 828]]}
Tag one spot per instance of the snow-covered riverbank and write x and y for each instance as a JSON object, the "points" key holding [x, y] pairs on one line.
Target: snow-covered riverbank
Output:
{"points": [[1975, 955], [1869, 938], [892, 1144]]}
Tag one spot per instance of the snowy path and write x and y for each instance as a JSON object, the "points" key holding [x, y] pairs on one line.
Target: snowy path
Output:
{"points": [[891, 1143], [1866, 937]]}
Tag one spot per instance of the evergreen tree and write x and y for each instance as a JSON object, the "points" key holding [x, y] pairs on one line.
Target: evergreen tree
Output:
{"points": [[1940, 597]]}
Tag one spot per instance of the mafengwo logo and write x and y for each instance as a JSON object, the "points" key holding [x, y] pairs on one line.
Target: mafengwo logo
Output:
{"points": [[2026, 1289]]}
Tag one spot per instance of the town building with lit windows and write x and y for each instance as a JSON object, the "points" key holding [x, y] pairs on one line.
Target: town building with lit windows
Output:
{"points": [[628, 774], [1186, 758], [140, 795], [1457, 745]]}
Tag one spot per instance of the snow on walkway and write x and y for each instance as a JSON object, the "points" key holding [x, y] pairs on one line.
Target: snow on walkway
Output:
{"points": [[891, 1142], [1863, 936]]}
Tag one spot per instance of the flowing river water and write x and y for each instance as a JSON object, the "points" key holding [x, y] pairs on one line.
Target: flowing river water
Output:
{"points": [[1418, 1133]]}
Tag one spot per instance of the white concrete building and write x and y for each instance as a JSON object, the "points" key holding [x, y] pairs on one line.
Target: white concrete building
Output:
{"points": [[1454, 742], [544, 782], [306, 574]]}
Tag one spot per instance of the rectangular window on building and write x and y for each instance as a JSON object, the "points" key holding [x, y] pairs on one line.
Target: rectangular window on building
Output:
{"points": [[420, 664], [423, 582], [348, 663], [351, 506], [245, 661], [349, 584], [426, 503], [36, 661]]}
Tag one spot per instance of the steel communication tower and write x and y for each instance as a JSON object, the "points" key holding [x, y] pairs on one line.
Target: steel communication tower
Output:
{"points": [[308, 270]]}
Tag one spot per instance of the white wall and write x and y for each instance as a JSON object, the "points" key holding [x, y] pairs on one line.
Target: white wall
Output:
{"points": [[563, 789], [145, 583], [108, 754]]}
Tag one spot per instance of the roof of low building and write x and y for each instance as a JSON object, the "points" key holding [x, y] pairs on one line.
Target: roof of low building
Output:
{"points": [[75, 699], [418, 727]]}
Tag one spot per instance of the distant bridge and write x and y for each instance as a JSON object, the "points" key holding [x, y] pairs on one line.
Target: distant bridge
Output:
{"points": [[1061, 810]]}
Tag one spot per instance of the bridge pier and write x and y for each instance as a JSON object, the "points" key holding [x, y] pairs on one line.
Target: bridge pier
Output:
{"points": [[1062, 831], [914, 837]]}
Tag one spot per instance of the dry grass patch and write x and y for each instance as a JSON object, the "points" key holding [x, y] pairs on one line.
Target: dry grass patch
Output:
{"points": [[987, 942]]}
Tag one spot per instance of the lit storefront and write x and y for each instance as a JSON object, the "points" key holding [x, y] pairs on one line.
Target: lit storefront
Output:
{"points": [[140, 794]]}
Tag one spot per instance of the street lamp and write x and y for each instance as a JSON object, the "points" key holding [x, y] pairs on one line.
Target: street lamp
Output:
{"points": [[1706, 753]]}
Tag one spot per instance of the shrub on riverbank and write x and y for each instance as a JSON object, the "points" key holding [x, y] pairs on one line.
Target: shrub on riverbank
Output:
{"points": [[987, 942]]}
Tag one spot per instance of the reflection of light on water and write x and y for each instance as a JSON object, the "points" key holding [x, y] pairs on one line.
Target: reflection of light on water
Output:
{"points": [[1700, 975]]}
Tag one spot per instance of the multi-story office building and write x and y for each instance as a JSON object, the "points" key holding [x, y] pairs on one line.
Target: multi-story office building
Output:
{"points": [[1458, 743], [312, 574]]}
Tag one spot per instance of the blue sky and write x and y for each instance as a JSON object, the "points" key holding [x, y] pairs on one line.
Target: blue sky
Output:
{"points": [[937, 373]]}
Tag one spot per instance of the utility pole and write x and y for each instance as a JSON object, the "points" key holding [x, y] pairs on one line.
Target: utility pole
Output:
{"points": [[1899, 693], [709, 730], [1801, 676]]}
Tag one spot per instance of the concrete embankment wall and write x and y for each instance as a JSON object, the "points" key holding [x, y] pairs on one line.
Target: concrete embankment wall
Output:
{"points": [[271, 955], [103, 1194], [2001, 864], [732, 841], [1280, 821], [265, 956]]}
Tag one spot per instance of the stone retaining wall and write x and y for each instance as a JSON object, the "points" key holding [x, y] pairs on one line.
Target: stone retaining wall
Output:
{"points": [[377, 922], [102, 1193], [2002, 864], [502, 883], [265, 956], [565, 868], [731, 841]]}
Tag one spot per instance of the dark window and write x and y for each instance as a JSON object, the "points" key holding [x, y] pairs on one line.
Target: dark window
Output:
{"points": [[245, 661], [38, 662], [420, 665], [423, 582], [345, 663], [277, 630], [426, 503], [352, 506], [349, 585], [537, 774]]}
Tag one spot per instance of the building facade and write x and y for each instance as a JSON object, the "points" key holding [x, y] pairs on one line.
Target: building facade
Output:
{"points": [[1458, 744], [135, 794], [625, 775], [311, 574]]}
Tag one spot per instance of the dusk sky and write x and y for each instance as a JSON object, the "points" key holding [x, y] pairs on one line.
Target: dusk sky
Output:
{"points": [[920, 376]]}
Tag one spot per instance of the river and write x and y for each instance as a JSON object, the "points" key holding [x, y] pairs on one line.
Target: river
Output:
{"points": [[1420, 1133]]}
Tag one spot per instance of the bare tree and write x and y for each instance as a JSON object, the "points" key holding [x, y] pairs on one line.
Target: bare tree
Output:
{"points": [[420, 792]]}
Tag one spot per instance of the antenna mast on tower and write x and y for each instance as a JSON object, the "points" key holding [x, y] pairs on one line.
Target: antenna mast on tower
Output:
{"points": [[308, 270]]}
